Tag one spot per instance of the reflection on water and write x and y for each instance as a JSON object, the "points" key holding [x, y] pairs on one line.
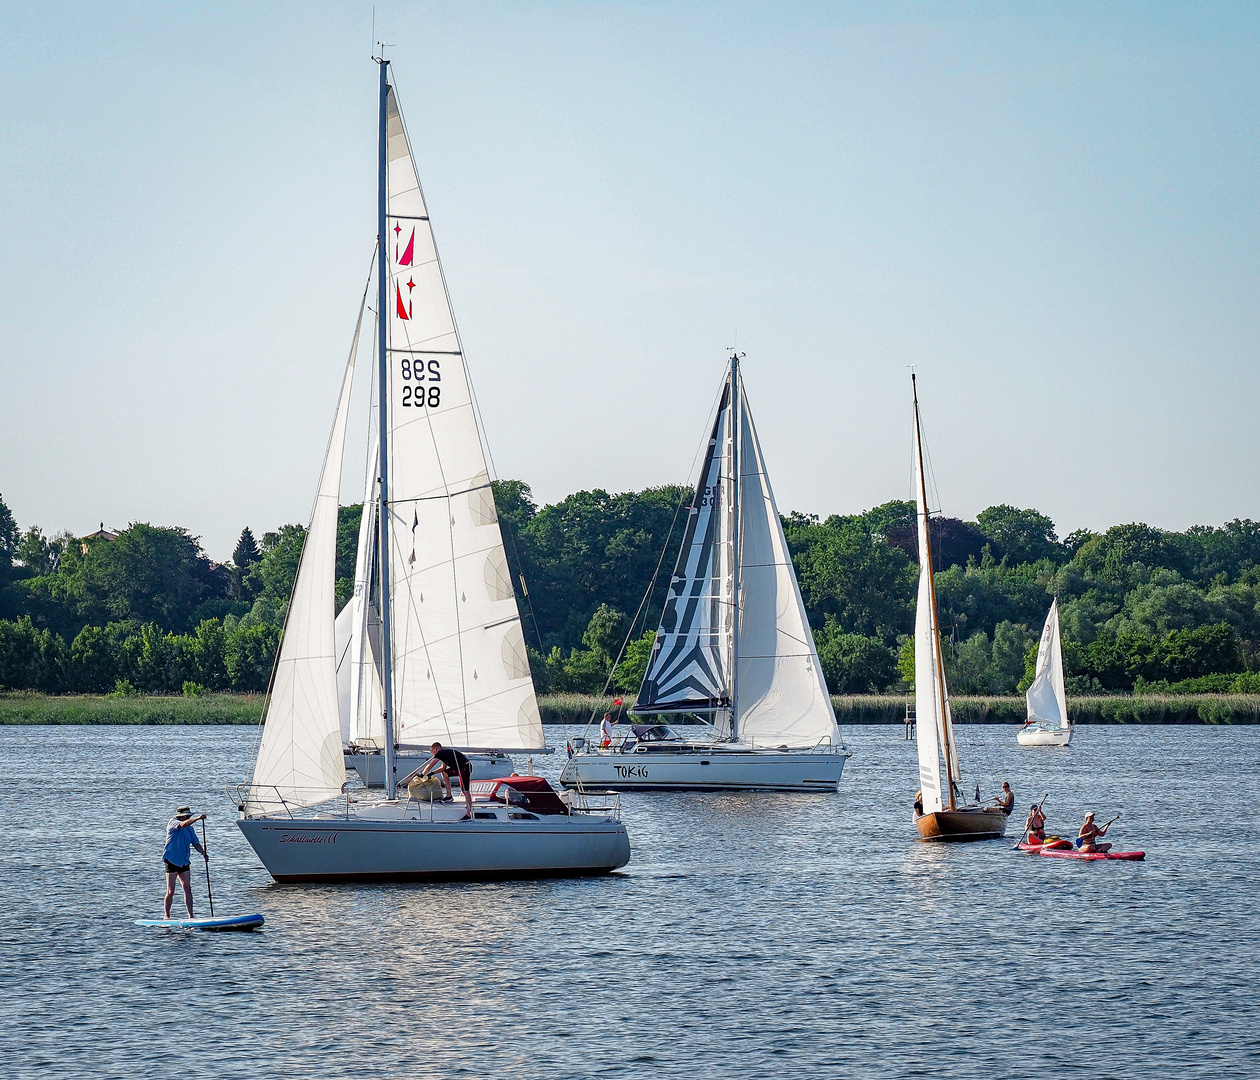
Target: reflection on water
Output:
{"points": [[751, 934]]}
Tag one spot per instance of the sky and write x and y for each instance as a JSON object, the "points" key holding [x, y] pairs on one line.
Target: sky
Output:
{"points": [[1050, 211]]}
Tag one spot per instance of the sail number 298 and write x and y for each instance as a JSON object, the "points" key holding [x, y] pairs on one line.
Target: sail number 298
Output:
{"points": [[420, 371]]}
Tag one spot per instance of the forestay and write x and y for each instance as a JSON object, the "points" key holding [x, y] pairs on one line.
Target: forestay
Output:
{"points": [[689, 665], [460, 667], [1047, 701], [300, 758], [780, 694]]}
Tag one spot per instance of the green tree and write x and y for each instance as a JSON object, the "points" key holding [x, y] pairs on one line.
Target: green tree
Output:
{"points": [[248, 655], [244, 555], [272, 577], [1025, 536], [853, 663]]}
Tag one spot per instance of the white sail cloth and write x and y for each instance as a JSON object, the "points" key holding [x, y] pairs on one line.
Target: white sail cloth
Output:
{"points": [[461, 673], [780, 693], [300, 758], [933, 724], [1047, 701]]}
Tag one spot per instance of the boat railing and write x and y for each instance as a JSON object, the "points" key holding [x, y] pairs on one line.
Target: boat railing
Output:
{"points": [[267, 799], [600, 803]]}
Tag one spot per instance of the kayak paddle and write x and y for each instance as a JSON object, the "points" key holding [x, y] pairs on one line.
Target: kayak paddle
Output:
{"points": [[1025, 833]]}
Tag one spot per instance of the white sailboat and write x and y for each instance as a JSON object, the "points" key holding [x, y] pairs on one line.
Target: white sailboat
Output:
{"points": [[940, 814], [734, 642], [435, 649], [1048, 723]]}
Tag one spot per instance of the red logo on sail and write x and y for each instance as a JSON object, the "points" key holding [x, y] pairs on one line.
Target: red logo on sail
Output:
{"points": [[409, 251], [403, 310]]}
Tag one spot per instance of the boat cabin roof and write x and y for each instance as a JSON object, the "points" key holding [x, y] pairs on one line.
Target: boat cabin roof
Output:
{"points": [[528, 792]]}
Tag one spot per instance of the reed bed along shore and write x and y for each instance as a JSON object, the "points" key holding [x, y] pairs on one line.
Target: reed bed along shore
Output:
{"points": [[30, 708]]}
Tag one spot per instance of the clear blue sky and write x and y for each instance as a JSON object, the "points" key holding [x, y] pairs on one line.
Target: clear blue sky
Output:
{"points": [[1050, 209]]}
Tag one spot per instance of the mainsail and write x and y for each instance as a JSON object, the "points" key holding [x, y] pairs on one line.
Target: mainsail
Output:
{"points": [[300, 758], [363, 723], [769, 671], [461, 672], [1047, 701], [934, 727]]}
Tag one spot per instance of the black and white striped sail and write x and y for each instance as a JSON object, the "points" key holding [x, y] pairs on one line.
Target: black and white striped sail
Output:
{"points": [[765, 682], [690, 664], [461, 673]]}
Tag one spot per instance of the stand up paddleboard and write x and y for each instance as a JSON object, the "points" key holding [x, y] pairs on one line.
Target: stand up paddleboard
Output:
{"points": [[1130, 856], [231, 922]]}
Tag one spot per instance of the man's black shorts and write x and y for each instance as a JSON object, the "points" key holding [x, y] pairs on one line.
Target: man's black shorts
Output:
{"points": [[171, 868]]}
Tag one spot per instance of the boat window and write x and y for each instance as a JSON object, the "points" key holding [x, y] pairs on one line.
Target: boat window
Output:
{"points": [[523, 817], [492, 817]]}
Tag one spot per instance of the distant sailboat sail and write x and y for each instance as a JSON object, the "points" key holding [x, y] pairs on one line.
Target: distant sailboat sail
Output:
{"points": [[1047, 701], [934, 727], [769, 669], [461, 673]]}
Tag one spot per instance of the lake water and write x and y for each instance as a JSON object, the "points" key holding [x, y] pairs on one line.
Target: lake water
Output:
{"points": [[752, 935]]}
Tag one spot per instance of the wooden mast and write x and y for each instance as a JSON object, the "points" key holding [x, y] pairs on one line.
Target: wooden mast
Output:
{"points": [[926, 554]]}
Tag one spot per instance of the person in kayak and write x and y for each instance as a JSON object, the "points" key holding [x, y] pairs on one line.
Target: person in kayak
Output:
{"points": [[449, 762], [1036, 825], [1087, 838], [180, 836]]}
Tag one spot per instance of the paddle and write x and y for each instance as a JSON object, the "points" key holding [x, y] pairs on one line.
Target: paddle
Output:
{"points": [[1025, 832], [205, 850]]}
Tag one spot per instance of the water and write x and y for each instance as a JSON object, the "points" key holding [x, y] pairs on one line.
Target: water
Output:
{"points": [[752, 935]]}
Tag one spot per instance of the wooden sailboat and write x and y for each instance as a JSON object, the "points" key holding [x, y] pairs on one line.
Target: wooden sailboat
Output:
{"points": [[734, 642], [938, 815], [1048, 723], [434, 641]]}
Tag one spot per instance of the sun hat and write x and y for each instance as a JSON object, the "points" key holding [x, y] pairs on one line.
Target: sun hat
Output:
{"points": [[1089, 815], [183, 811]]}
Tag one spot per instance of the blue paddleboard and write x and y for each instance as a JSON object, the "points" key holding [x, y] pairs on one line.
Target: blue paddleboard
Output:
{"points": [[231, 922]]}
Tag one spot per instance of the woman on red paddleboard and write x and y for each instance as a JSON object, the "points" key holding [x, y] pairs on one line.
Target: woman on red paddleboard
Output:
{"points": [[1089, 834], [1036, 825]]}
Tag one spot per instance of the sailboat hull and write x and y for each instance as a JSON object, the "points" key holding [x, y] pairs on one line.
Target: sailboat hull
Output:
{"points": [[969, 823], [1035, 736], [358, 849], [717, 770]]}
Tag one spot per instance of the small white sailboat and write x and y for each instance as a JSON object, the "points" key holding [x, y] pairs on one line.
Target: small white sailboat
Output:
{"points": [[939, 815], [434, 645], [1048, 723], [734, 642]]}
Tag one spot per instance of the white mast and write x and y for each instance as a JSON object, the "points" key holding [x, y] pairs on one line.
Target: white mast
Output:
{"points": [[735, 466]]}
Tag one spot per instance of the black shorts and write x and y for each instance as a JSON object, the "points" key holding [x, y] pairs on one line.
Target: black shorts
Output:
{"points": [[465, 778], [171, 868]]}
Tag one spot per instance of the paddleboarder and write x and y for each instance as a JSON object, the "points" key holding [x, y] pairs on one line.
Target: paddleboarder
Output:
{"points": [[180, 837], [1087, 838], [1035, 826], [449, 762]]}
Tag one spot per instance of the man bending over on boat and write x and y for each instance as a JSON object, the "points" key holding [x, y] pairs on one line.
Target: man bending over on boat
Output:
{"points": [[1088, 836], [450, 762], [180, 836], [1036, 824]]}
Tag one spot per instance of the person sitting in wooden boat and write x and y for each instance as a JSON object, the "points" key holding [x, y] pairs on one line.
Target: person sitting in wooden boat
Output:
{"points": [[1036, 825], [1007, 799], [1087, 838]]}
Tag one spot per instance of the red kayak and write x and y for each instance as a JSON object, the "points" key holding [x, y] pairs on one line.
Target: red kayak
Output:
{"points": [[1063, 853], [1050, 842]]}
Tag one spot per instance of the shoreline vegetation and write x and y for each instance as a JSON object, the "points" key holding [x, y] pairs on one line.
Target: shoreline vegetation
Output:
{"points": [[27, 708]]}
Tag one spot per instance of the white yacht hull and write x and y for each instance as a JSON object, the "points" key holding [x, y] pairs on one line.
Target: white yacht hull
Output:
{"points": [[1043, 736], [717, 769], [415, 848], [371, 767]]}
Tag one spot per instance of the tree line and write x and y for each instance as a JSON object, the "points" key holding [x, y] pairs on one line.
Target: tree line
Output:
{"points": [[1141, 608]]}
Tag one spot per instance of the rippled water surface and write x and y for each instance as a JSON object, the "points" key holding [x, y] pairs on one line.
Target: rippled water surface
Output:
{"points": [[751, 935]]}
